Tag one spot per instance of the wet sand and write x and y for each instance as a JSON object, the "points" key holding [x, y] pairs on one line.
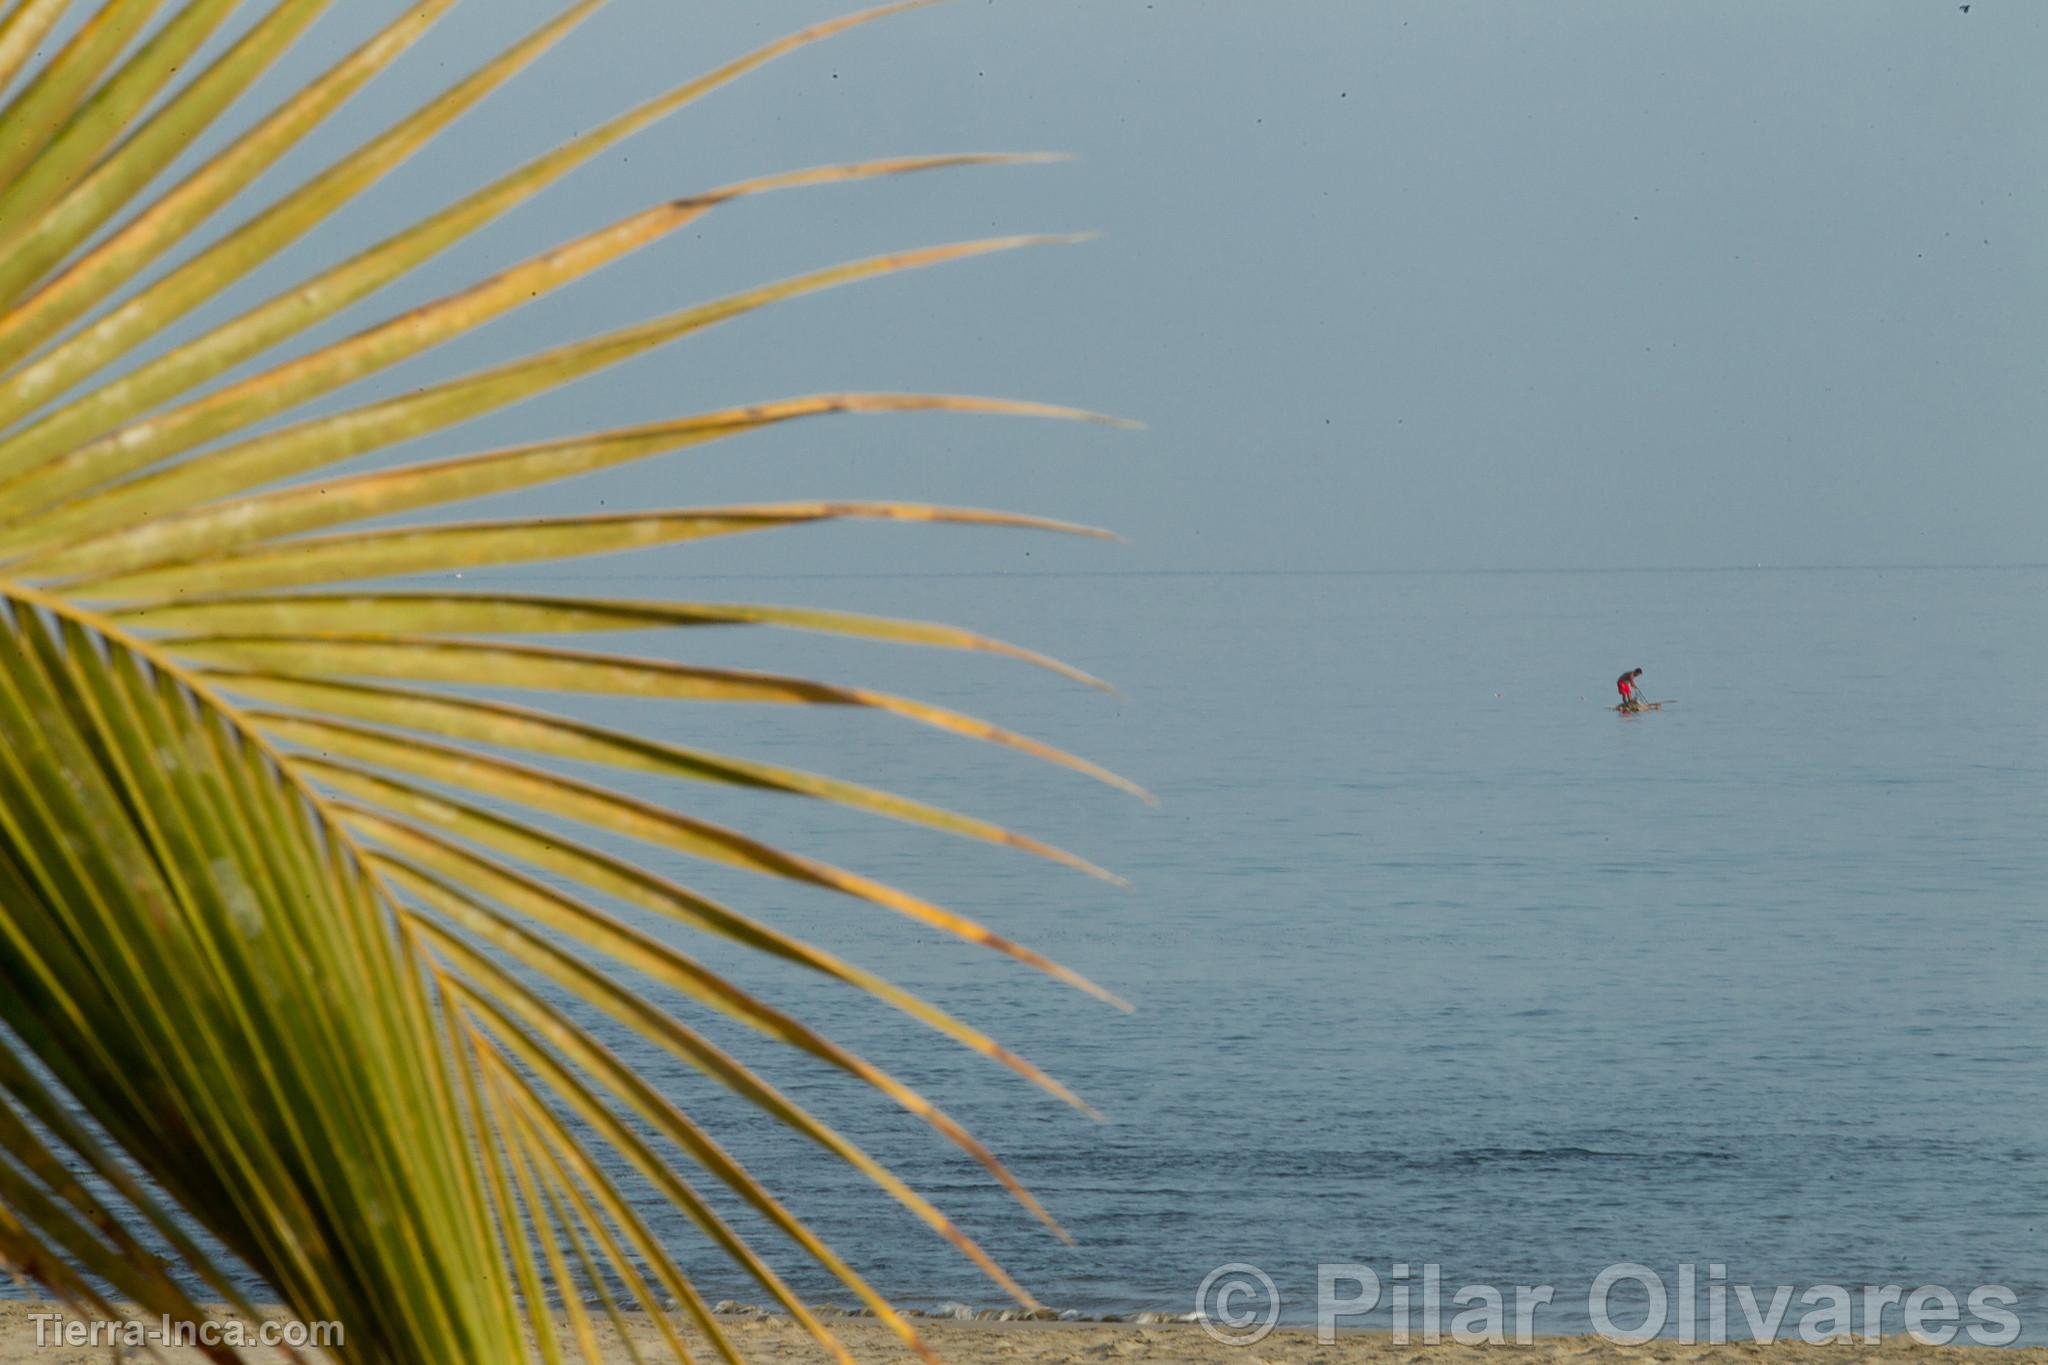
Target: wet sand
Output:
{"points": [[776, 1341]]}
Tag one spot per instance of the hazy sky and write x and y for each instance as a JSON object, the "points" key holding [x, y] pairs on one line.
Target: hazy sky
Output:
{"points": [[1393, 285]]}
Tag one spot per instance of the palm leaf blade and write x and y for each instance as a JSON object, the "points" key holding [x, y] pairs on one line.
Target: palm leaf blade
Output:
{"points": [[300, 978], [312, 445], [480, 613], [218, 527], [109, 185], [146, 237], [113, 335]]}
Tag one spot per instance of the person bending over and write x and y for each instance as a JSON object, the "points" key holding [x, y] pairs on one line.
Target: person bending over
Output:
{"points": [[1631, 695]]}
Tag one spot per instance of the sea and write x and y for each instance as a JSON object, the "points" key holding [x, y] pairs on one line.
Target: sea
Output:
{"points": [[1443, 973], [1437, 962]]}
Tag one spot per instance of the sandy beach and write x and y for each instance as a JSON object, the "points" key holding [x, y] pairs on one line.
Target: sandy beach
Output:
{"points": [[776, 1341]]}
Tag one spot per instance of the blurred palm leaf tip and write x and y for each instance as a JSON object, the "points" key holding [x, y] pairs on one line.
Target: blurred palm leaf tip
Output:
{"points": [[298, 940]]}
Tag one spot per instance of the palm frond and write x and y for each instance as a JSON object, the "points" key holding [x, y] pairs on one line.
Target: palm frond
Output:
{"points": [[302, 937]]}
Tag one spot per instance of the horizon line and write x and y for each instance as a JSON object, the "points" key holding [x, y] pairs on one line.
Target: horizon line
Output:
{"points": [[1329, 572]]}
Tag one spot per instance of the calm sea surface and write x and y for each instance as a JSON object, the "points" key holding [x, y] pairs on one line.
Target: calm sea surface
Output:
{"points": [[1436, 958]]}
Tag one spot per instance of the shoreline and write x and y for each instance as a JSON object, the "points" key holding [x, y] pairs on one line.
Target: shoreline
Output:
{"points": [[766, 1338]]}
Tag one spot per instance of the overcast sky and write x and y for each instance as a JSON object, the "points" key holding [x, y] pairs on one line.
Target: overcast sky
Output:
{"points": [[1428, 285]]}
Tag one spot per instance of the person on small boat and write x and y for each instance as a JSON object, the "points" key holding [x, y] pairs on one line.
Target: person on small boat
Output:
{"points": [[1631, 697]]}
